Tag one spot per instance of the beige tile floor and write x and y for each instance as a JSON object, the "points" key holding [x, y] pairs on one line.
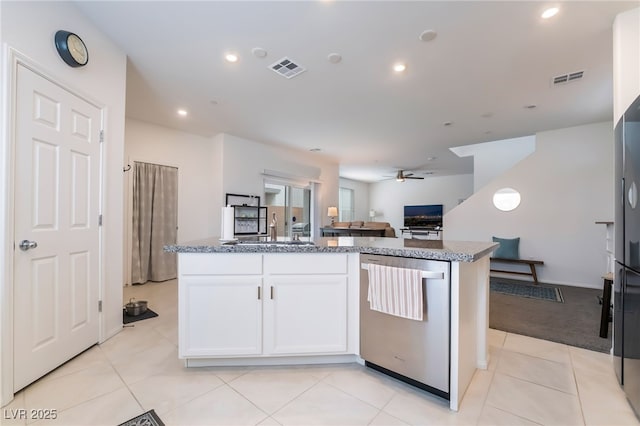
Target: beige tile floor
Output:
{"points": [[529, 382]]}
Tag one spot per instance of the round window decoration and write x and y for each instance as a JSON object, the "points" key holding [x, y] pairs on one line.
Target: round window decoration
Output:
{"points": [[506, 199]]}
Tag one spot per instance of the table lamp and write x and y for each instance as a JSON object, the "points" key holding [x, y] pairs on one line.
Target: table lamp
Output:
{"points": [[332, 212]]}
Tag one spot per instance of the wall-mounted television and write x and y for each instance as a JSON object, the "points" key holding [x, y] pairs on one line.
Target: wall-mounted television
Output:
{"points": [[425, 216]]}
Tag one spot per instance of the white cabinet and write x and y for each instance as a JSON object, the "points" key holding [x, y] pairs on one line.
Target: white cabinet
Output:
{"points": [[261, 305], [220, 315], [307, 307], [215, 292], [305, 314]]}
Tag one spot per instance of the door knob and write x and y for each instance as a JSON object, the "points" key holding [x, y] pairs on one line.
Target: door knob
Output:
{"points": [[26, 245]]}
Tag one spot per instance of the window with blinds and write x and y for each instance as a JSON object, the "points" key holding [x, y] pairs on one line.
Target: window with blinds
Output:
{"points": [[346, 207]]}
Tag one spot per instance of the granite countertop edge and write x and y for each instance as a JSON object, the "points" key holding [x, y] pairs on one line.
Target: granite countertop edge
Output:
{"points": [[477, 251]]}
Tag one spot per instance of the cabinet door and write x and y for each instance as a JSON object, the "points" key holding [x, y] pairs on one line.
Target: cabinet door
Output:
{"points": [[305, 314], [220, 315]]}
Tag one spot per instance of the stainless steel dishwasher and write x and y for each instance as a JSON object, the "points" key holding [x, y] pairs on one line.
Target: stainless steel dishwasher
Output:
{"points": [[416, 352]]}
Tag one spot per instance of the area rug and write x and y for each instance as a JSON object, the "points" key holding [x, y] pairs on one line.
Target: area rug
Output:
{"points": [[575, 322], [526, 290], [150, 418], [126, 319]]}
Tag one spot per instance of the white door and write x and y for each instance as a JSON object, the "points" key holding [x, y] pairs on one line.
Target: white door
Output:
{"points": [[220, 315], [305, 314], [57, 193]]}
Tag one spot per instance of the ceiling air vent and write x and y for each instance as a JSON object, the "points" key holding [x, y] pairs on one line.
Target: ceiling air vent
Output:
{"points": [[287, 68], [567, 78]]}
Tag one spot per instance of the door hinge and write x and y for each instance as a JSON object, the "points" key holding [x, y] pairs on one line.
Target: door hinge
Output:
{"points": [[99, 220], [101, 136], [99, 305]]}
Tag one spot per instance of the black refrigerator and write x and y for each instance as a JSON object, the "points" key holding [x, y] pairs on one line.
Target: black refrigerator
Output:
{"points": [[626, 313]]}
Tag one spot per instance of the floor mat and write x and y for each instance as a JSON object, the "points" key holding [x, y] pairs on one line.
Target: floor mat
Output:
{"points": [[126, 319], [150, 418], [530, 291]]}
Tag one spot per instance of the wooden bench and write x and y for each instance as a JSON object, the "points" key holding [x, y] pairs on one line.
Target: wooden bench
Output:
{"points": [[532, 266]]}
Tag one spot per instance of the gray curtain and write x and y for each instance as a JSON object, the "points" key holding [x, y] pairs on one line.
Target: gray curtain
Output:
{"points": [[155, 219]]}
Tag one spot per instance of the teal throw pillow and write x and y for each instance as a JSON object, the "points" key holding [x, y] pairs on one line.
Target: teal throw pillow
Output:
{"points": [[509, 248]]}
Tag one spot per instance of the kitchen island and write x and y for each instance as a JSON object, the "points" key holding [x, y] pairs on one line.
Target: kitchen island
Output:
{"points": [[253, 303]]}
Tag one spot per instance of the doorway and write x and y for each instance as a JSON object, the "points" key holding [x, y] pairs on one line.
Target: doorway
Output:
{"points": [[292, 206], [154, 222]]}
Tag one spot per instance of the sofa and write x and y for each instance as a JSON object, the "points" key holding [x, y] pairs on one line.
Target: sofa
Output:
{"points": [[389, 231], [301, 229]]}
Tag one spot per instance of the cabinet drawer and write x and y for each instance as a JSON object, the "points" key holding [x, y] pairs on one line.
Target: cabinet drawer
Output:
{"points": [[305, 263], [219, 264]]}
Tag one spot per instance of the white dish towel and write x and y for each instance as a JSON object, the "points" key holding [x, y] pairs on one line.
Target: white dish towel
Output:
{"points": [[395, 291]]}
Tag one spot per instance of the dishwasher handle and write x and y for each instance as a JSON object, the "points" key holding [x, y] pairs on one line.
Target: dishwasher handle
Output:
{"points": [[438, 275]]}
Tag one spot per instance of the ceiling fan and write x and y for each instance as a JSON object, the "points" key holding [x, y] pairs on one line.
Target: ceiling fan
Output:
{"points": [[401, 176]]}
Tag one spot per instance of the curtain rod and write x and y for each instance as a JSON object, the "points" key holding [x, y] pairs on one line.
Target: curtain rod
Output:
{"points": [[155, 164]]}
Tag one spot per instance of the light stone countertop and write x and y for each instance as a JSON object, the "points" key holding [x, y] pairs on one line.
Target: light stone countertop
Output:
{"points": [[453, 251]]}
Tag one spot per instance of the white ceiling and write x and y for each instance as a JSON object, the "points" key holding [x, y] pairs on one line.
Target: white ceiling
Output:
{"points": [[488, 61]]}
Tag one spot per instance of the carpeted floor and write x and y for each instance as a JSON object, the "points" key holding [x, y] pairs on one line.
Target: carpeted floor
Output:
{"points": [[575, 322]]}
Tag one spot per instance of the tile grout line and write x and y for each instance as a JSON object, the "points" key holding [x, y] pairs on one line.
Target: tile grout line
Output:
{"points": [[493, 375], [298, 396], [513, 414], [126, 385], [561, 364], [485, 404], [353, 396], [279, 408], [234, 390], [575, 380], [223, 383], [107, 363]]}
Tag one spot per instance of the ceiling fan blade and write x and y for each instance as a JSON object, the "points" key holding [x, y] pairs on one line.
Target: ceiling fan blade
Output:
{"points": [[401, 176]]}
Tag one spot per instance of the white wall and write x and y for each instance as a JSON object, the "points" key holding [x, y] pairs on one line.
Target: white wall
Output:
{"points": [[626, 61], [566, 186], [361, 198], [217, 192], [389, 197], [491, 159], [211, 167], [29, 28], [193, 155], [244, 162]]}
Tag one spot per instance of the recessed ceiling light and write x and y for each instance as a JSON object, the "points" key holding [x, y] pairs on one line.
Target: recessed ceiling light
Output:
{"points": [[334, 58], [428, 35], [182, 112], [259, 52], [399, 67], [231, 57], [548, 13]]}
